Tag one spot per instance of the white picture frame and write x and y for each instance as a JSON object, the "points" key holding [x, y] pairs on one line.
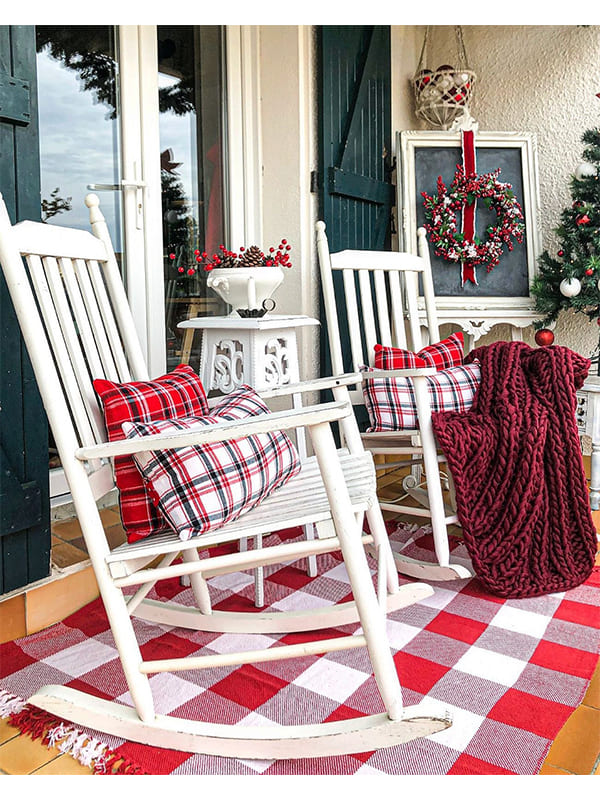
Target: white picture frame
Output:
{"points": [[415, 148]]}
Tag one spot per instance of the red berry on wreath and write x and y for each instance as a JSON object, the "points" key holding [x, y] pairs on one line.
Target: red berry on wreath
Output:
{"points": [[560, 253], [544, 337], [172, 256], [589, 272], [180, 269]]}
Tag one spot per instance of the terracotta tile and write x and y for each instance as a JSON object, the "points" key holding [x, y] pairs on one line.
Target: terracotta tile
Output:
{"points": [[110, 516], [54, 601], [592, 695], [12, 618], [67, 529], [63, 765], [577, 745], [7, 731], [21, 755], [65, 555], [548, 769], [115, 535]]}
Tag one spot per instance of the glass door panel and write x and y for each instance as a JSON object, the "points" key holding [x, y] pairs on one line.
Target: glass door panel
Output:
{"points": [[77, 73], [79, 125], [191, 107]]}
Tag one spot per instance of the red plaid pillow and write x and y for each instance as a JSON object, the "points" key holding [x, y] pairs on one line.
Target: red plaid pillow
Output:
{"points": [[199, 488], [391, 402], [177, 394], [444, 354]]}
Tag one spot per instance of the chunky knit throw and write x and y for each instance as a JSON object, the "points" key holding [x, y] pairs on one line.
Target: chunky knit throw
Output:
{"points": [[516, 462]]}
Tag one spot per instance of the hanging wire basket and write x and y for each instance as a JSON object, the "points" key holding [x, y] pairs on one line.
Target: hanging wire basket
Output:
{"points": [[443, 94]]}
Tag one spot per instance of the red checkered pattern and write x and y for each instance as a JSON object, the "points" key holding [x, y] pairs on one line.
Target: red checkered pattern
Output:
{"points": [[447, 353], [178, 394], [391, 402], [509, 671], [200, 488]]}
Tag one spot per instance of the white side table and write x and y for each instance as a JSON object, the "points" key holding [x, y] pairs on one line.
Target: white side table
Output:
{"points": [[259, 351], [587, 416]]}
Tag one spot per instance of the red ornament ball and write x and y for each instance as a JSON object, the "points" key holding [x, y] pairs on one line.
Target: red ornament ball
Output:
{"points": [[589, 272], [544, 337], [172, 256], [560, 253]]}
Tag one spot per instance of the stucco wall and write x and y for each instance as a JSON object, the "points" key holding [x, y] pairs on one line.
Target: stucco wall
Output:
{"points": [[540, 79]]}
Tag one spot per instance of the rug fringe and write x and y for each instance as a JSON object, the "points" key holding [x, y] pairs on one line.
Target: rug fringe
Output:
{"points": [[54, 732]]}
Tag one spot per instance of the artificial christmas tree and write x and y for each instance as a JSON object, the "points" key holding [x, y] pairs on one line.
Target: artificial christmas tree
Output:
{"points": [[571, 278]]}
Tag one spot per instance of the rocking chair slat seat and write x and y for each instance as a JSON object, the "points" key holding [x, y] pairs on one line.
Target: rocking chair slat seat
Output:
{"points": [[286, 508], [77, 326]]}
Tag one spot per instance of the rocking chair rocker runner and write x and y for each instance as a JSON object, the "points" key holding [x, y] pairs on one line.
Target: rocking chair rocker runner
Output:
{"points": [[376, 300], [72, 308]]}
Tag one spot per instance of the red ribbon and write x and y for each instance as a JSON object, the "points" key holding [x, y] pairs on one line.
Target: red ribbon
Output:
{"points": [[468, 215]]}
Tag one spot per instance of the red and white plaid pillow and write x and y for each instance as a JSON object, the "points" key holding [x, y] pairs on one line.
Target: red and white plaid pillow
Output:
{"points": [[178, 394], [199, 488], [391, 402], [447, 353]]}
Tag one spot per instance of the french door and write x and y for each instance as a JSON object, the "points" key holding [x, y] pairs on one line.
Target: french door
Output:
{"points": [[136, 114]]}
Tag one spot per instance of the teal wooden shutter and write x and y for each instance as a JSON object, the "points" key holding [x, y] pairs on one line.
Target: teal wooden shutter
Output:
{"points": [[356, 194], [355, 190], [24, 493]]}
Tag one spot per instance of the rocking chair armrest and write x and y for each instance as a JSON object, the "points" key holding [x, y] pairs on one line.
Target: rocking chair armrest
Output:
{"points": [[416, 372], [315, 385], [232, 429]]}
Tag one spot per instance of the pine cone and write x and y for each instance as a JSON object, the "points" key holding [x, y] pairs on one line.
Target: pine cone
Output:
{"points": [[227, 262], [252, 257]]}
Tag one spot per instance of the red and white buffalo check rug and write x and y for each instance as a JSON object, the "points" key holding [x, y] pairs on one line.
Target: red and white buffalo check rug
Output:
{"points": [[509, 671]]}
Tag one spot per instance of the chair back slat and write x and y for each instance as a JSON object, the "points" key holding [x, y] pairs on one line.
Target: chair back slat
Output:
{"points": [[100, 316], [383, 315], [397, 313], [62, 339], [368, 314], [411, 292], [354, 324], [81, 318]]}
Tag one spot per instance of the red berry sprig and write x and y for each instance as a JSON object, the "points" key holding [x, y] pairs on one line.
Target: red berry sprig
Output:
{"points": [[247, 257]]}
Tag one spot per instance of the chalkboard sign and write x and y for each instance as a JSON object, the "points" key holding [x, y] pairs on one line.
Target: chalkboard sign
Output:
{"points": [[425, 155]]}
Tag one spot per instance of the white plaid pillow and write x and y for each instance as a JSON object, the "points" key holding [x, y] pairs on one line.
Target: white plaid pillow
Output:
{"points": [[199, 488], [391, 402]]}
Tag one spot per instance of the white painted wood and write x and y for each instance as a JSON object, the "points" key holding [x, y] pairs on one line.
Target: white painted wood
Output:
{"points": [[367, 321], [475, 307], [336, 486], [332, 616], [356, 735]]}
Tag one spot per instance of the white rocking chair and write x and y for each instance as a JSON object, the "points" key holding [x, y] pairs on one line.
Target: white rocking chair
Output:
{"points": [[72, 308], [376, 300]]}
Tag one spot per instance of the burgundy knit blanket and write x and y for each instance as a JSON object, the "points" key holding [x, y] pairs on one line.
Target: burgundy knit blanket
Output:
{"points": [[516, 462]]}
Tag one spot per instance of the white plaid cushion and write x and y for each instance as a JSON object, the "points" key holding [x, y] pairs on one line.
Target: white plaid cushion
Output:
{"points": [[391, 402], [199, 488]]}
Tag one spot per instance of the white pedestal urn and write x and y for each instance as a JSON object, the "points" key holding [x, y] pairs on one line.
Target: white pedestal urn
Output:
{"points": [[245, 288]]}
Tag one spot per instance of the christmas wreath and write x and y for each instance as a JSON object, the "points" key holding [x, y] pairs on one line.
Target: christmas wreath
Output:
{"points": [[454, 245]]}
